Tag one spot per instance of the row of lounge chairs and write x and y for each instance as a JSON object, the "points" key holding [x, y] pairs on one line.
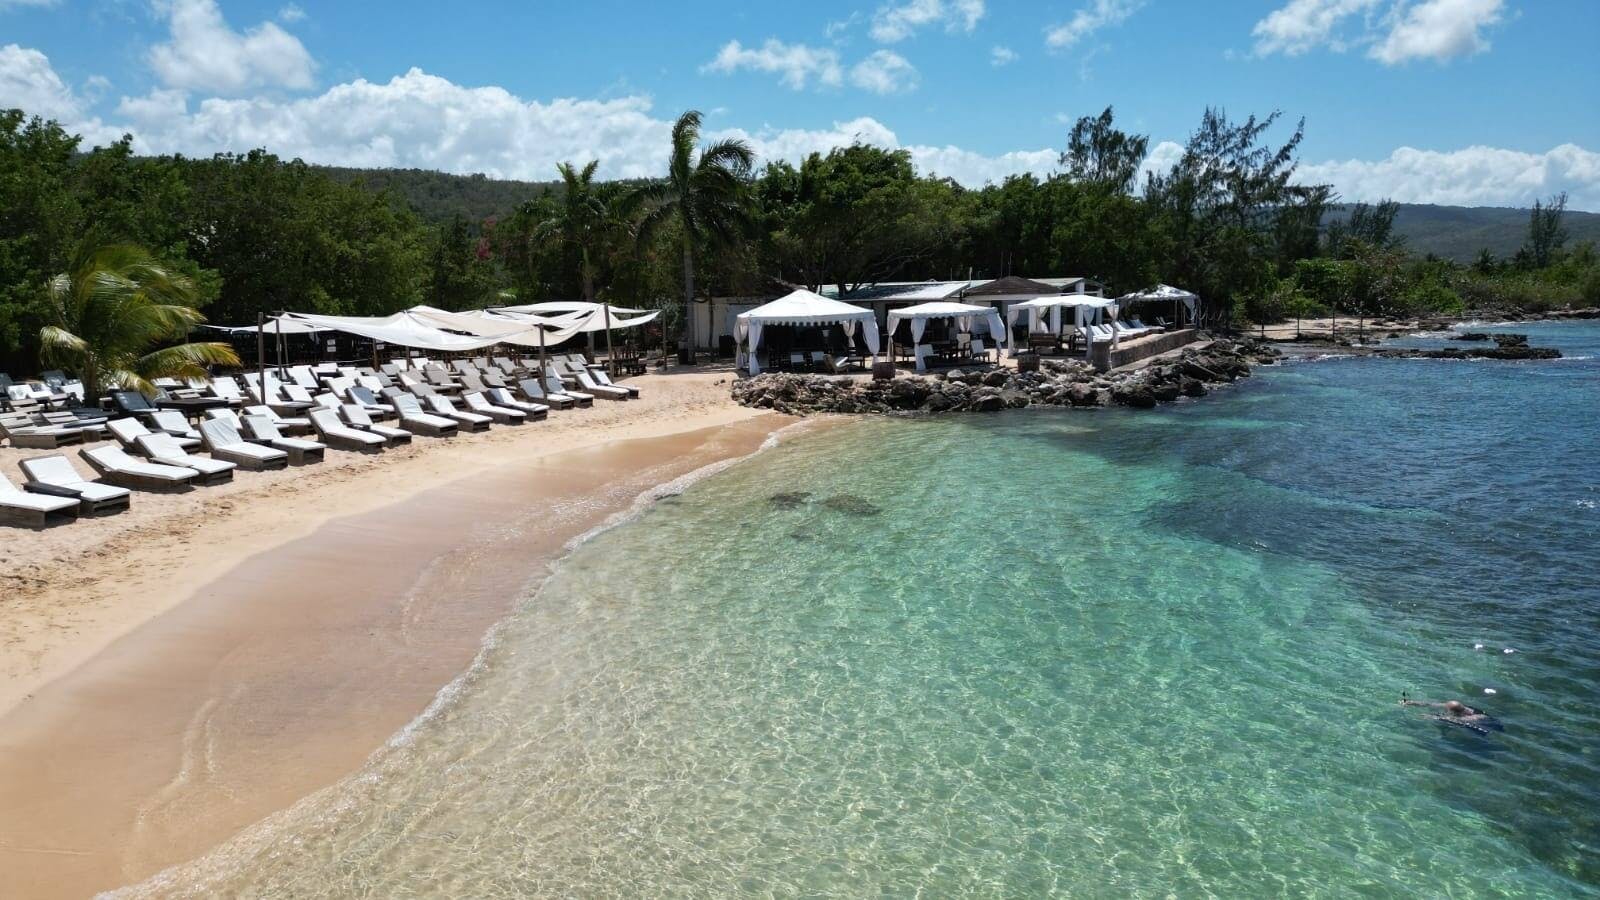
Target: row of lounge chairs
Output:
{"points": [[280, 423]]}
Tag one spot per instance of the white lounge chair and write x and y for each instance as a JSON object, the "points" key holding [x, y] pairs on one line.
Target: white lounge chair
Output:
{"points": [[25, 431], [165, 450], [173, 423], [335, 433], [602, 377], [599, 390], [503, 397], [534, 390], [415, 419], [116, 467], [553, 384], [33, 510], [57, 477], [502, 415], [225, 443], [128, 431], [466, 421], [301, 451], [358, 418], [293, 426]]}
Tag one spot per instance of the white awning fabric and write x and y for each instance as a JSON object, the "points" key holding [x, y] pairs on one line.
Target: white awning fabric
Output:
{"points": [[964, 313], [1163, 293], [565, 307], [401, 329], [801, 308], [273, 325]]}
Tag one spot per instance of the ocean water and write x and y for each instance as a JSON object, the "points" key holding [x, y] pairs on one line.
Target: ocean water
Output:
{"points": [[1039, 653]]}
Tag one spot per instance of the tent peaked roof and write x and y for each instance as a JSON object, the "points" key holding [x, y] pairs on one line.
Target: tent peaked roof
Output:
{"points": [[1013, 286], [1161, 292], [939, 309], [805, 308]]}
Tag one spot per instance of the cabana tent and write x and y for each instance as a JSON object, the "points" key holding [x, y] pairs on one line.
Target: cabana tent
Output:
{"points": [[1084, 306], [964, 314], [1165, 293], [801, 307]]}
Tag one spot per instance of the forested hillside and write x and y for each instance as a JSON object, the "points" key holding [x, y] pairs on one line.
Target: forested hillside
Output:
{"points": [[1458, 233]]}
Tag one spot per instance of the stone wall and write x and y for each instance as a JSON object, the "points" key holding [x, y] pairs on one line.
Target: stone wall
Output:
{"points": [[1105, 359]]}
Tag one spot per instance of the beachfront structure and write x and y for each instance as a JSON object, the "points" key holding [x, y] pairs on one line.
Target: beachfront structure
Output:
{"points": [[1182, 302], [975, 323], [717, 318], [1045, 317], [807, 310]]}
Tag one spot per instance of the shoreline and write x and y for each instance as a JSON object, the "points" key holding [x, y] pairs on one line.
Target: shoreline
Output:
{"points": [[191, 696]]}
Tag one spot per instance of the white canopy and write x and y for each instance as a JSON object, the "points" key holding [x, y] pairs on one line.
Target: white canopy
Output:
{"points": [[273, 325], [1164, 293], [802, 308], [401, 329], [1084, 306], [963, 313], [563, 307]]}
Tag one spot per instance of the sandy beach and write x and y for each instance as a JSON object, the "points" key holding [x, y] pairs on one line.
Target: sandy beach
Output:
{"points": [[178, 672]]}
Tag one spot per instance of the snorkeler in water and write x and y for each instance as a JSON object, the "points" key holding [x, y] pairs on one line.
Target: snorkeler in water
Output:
{"points": [[1458, 713]]}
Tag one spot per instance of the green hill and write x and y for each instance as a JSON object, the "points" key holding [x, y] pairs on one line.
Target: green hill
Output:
{"points": [[1460, 232], [1452, 232]]}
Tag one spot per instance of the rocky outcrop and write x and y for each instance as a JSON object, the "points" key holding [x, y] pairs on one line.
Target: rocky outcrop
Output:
{"points": [[1506, 346], [1058, 383]]}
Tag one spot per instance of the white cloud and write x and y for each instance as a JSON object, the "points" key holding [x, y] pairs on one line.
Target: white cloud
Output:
{"points": [[1437, 30], [885, 72], [895, 23], [1002, 56], [203, 53], [20, 4], [1474, 176], [28, 82], [1086, 21], [1394, 31], [797, 64], [1302, 25], [292, 13]]}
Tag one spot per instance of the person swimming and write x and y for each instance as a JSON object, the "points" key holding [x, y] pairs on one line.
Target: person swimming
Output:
{"points": [[1458, 713]]}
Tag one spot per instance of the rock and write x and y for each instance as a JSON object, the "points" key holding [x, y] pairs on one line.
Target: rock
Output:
{"points": [[937, 401], [988, 403], [1081, 394], [1134, 395], [995, 378], [1192, 387], [852, 505], [1470, 336], [1504, 341], [1165, 392]]}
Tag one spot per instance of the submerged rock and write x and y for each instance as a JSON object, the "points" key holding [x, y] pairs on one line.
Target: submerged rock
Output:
{"points": [[852, 505], [789, 499]]}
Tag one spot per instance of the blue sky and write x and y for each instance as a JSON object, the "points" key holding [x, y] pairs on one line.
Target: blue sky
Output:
{"points": [[1465, 101]]}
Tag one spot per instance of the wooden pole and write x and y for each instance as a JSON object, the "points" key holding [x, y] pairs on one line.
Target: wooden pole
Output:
{"points": [[261, 353], [611, 365]]}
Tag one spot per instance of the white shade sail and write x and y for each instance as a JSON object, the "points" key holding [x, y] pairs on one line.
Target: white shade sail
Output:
{"points": [[401, 329], [801, 307], [1163, 293], [273, 325], [565, 307]]}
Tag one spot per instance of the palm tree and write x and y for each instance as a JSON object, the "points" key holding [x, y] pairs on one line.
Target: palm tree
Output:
{"points": [[705, 197], [582, 219], [107, 314]]}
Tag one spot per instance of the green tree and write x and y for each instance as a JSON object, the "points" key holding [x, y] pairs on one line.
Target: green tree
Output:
{"points": [[110, 316], [458, 273], [39, 218], [1546, 234], [1098, 153], [705, 197], [581, 223]]}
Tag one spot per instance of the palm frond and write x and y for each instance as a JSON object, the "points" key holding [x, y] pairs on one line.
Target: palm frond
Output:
{"points": [[185, 360]]}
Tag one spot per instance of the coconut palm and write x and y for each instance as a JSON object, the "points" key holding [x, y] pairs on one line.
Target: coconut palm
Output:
{"points": [[111, 316], [582, 220], [705, 197]]}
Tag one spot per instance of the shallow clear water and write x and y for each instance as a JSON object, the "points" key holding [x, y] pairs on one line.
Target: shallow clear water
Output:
{"points": [[1104, 653]]}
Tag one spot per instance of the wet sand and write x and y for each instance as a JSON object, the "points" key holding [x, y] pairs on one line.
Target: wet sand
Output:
{"points": [[284, 671]]}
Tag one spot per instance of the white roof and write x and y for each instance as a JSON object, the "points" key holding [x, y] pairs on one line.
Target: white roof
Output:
{"points": [[938, 290], [805, 308], [1161, 292], [1065, 301], [938, 310]]}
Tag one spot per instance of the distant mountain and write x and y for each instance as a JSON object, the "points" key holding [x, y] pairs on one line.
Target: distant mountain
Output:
{"points": [[1460, 232], [1453, 232], [439, 197]]}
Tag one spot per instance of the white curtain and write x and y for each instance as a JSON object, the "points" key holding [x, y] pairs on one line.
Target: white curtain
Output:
{"points": [[997, 331], [919, 327]]}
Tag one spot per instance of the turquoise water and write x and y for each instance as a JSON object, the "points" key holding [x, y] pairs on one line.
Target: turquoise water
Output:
{"points": [[1102, 654]]}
